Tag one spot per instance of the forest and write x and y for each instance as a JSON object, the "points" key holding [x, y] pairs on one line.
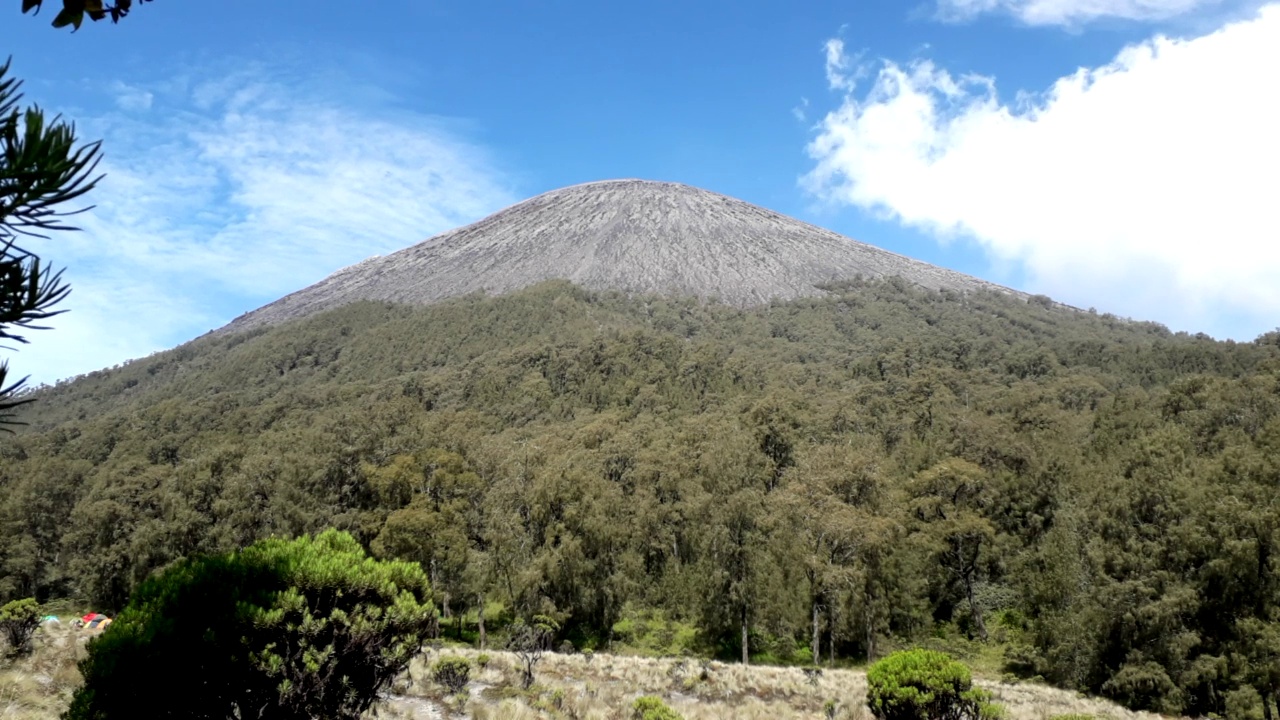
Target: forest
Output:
{"points": [[822, 480]]}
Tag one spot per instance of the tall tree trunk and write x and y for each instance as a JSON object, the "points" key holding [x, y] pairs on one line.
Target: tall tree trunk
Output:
{"points": [[816, 647], [831, 639], [974, 611], [1266, 705], [746, 659], [869, 622], [480, 618]]}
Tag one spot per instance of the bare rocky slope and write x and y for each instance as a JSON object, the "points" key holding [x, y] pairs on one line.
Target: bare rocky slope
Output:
{"points": [[636, 236]]}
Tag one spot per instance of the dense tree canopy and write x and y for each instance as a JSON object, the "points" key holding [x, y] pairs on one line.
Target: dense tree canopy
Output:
{"points": [[833, 477]]}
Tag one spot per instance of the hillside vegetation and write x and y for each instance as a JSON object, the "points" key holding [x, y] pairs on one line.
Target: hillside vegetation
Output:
{"points": [[571, 687], [835, 476]]}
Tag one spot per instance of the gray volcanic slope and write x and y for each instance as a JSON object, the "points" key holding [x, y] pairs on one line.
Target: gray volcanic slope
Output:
{"points": [[635, 236]]}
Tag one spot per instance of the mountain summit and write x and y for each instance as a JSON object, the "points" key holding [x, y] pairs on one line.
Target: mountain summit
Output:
{"points": [[636, 236]]}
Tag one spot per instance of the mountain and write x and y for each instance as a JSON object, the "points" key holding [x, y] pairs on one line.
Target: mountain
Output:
{"points": [[881, 462], [636, 236]]}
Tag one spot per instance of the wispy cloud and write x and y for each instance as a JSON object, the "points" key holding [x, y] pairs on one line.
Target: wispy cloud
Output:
{"points": [[1145, 187], [225, 192], [1067, 12], [801, 111], [131, 98], [842, 70]]}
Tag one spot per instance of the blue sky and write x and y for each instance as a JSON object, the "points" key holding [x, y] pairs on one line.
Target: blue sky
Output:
{"points": [[1117, 154]]}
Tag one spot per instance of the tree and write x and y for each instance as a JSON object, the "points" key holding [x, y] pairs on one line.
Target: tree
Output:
{"points": [[41, 170], [1260, 646], [827, 503], [948, 499], [18, 622], [744, 580], [74, 11], [287, 629], [438, 523], [529, 641]]}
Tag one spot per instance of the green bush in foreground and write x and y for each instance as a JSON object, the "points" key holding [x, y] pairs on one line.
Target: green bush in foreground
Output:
{"points": [[284, 629], [926, 685], [452, 673], [653, 708], [18, 622]]}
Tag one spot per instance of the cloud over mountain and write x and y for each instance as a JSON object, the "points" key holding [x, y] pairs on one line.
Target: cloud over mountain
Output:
{"points": [[1060, 12], [226, 190], [1137, 186]]}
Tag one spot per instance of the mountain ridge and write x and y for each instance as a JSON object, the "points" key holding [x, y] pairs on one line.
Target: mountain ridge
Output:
{"points": [[635, 236]]}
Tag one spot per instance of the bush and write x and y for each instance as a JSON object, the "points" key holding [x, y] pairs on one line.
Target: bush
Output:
{"points": [[1244, 703], [1144, 686], [652, 708], [282, 629], [926, 685], [452, 673], [482, 660], [18, 622]]}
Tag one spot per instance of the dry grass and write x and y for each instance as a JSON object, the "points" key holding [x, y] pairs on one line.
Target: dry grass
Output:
{"points": [[578, 687], [39, 687], [571, 687]]}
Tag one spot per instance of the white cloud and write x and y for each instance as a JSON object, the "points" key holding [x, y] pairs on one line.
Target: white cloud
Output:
{"points": [[1145, 187], [233, 191], [838, 65], [131, 98], [1060, 12], [843, 72]]}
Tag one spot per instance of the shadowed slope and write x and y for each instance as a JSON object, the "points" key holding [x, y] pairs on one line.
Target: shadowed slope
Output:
{"points": [[635, 236]]}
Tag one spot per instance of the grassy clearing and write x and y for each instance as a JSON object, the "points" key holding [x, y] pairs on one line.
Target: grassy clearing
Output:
{"points": [[603, 687], [39, 687], [572, 687]]}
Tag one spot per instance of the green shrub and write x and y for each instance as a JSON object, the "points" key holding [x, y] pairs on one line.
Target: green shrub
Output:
{"points": [[482, 660], [653, 708], [1244, 703], [286, 629], [651, 633], [925, 685], [1144, 686], [18, 622], [452, 673]]}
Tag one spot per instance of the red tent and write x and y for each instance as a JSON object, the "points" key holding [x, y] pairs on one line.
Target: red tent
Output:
{"points": [[93, 621]]}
